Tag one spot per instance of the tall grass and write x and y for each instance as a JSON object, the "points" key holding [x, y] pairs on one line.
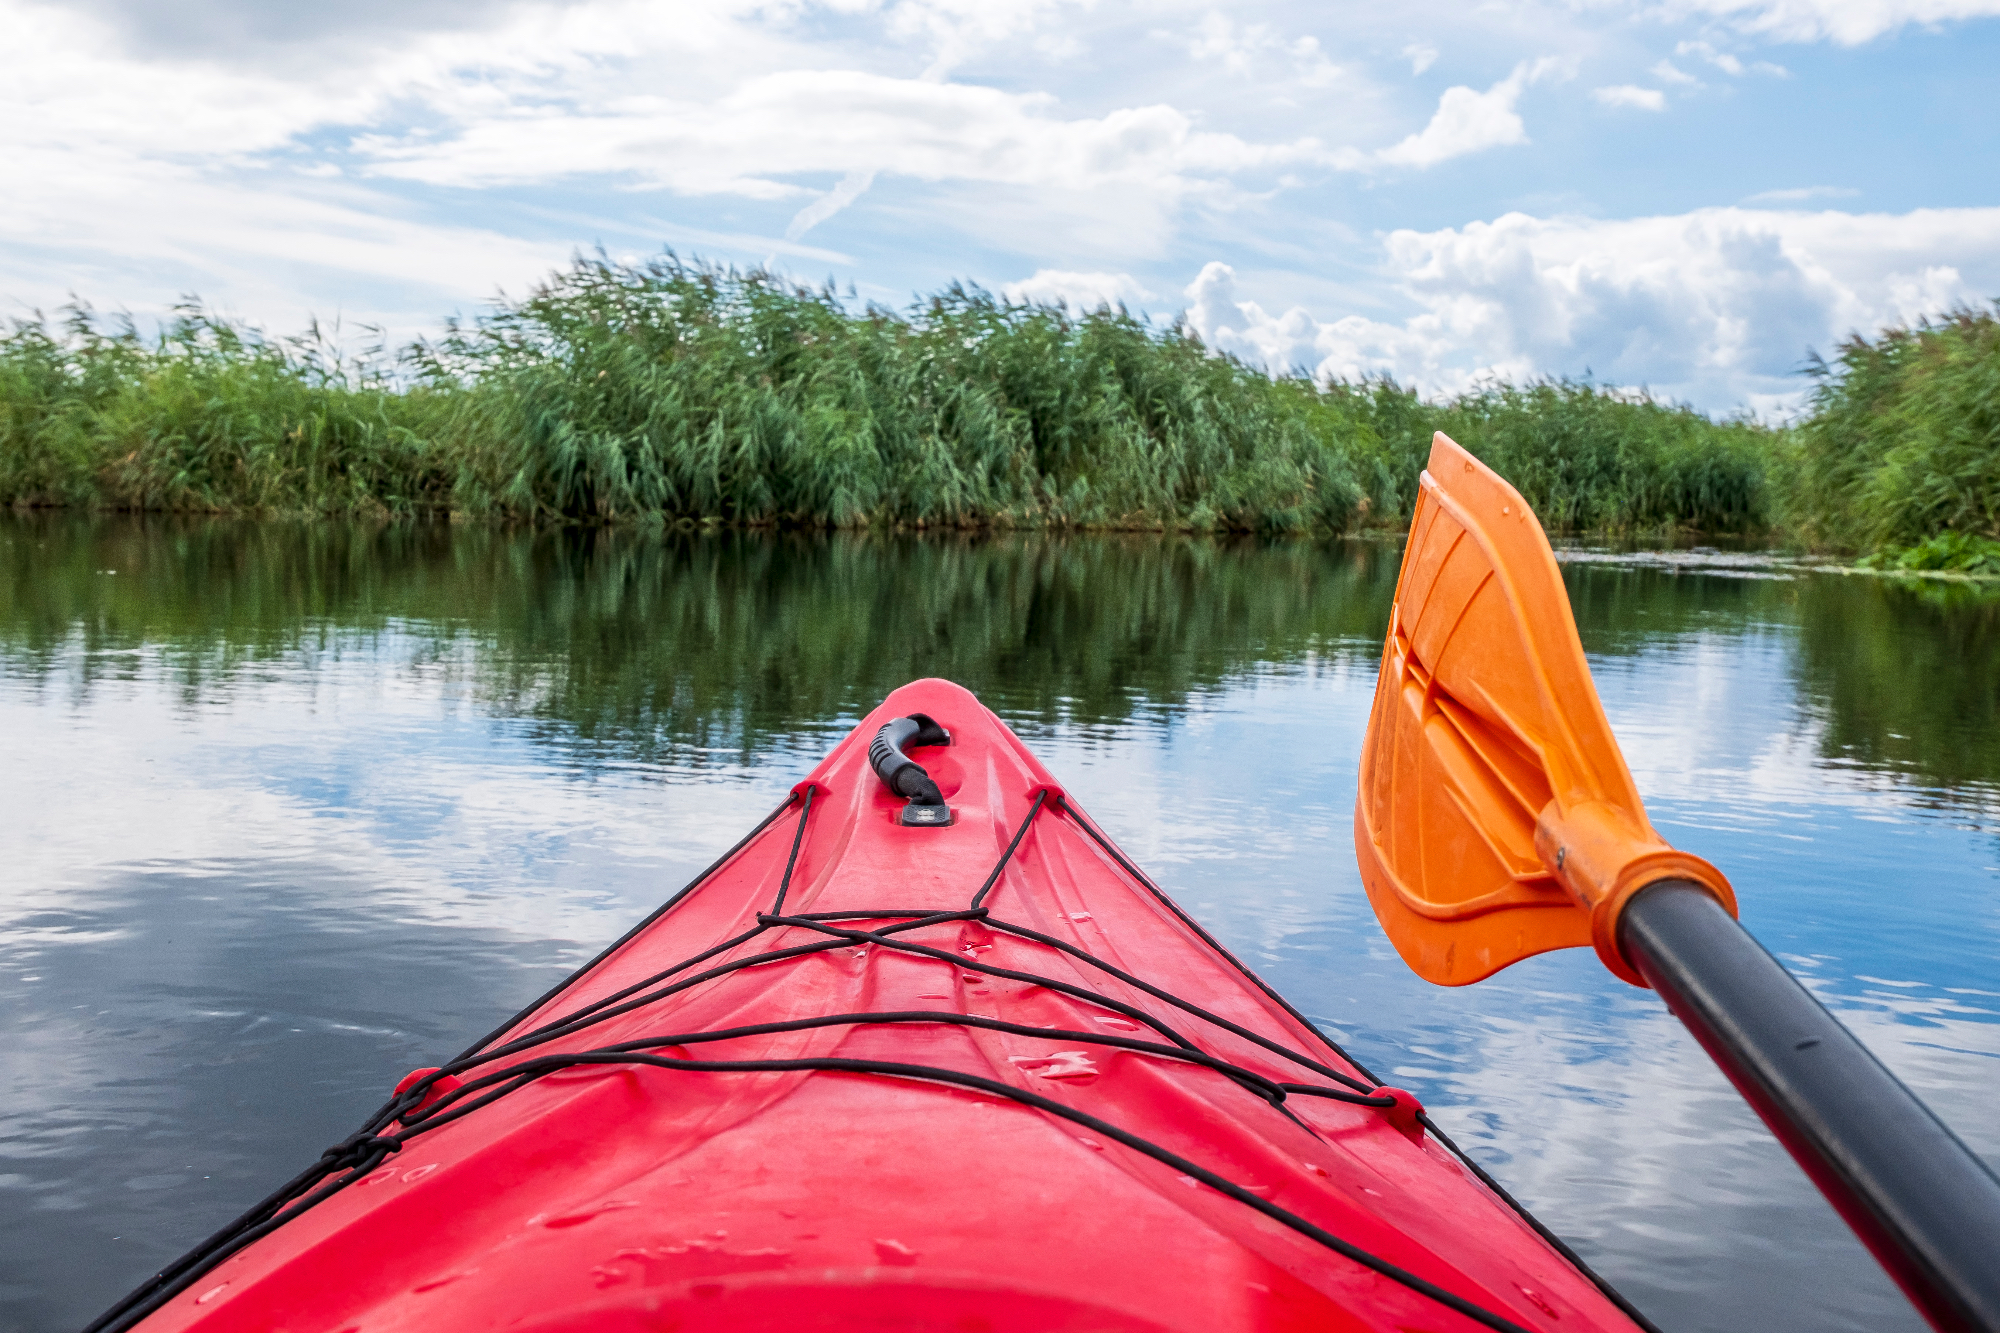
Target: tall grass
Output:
{"points": [[670, 391], [209, 416], [683, 391], [1903, 444], [1587, 457]]}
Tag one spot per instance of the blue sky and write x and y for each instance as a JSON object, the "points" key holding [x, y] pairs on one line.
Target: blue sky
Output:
{"points": [[1683, 194]]}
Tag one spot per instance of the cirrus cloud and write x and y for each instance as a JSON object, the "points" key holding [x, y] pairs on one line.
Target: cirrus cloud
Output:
{"points": [[1847, 22]]}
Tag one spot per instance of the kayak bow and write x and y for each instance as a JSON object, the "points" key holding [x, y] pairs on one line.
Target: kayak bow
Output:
{"points": [[924, 1051]]}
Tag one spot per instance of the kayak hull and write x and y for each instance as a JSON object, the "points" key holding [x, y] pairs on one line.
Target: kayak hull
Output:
{"points": [[1046, 1179]]}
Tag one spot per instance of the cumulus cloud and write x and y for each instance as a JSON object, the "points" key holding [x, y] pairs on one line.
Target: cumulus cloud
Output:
{"points": [[1078, 291], [1718, 305], [1626, 94]]}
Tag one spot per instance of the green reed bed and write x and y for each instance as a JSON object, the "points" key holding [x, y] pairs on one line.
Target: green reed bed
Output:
{"points": [[669, 391], [1901, 454]]}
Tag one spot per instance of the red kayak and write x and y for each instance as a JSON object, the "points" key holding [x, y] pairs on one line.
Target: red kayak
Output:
{"points": [[923, 1052]]}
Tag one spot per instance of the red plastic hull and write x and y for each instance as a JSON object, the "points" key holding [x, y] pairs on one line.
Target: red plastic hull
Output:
{"points": [[618, 1198]]}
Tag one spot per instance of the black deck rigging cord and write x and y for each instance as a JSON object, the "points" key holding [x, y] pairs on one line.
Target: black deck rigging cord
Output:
{"points": [[415, 1110]]}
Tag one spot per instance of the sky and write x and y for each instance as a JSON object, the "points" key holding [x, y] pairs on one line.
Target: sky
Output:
{"points": [[1691, 196]]}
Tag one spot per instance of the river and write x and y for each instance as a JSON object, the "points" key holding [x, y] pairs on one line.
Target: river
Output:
{"points": [[292, 809]]}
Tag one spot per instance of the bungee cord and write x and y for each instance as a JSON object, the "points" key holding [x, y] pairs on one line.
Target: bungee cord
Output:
{"points": [[442, 1097]]}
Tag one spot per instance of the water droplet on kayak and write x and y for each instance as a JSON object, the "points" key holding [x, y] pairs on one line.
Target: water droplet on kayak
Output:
{"points": [[210, 1294], [1059, 1064], [1539, 1302], [788, 1212], [1090, 1143], [609, 1277], [1079, 916], [413, 1176], [1122, 1024], [895, 1253], [578, 1217], [1259, 1288], [444, 1281], [1189, 1181], [1315, 1168]]}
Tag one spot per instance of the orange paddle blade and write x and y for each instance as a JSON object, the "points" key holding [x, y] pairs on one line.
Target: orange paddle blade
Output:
{"points": [[1496, 818]]}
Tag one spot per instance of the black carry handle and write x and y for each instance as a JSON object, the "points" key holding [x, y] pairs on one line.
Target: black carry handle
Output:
{"points": [[1916, 1195], [905, 776]]}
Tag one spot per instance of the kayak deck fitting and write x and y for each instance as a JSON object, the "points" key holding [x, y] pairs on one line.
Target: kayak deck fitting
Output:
{"points": [[924, 1051]]}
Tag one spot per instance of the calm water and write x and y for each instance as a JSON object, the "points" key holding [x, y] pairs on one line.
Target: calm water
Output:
{"points": [[286, 812]]}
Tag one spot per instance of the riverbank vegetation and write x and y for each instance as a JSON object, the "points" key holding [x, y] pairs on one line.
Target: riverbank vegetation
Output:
{"points": [[1901, 451], [685, 393]]}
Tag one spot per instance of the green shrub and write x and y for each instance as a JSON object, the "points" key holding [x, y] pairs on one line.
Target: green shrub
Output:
{"points": [[1950, 551]]}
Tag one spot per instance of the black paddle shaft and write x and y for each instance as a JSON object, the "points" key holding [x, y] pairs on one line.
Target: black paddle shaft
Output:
{"points": [[1918, 1198]]}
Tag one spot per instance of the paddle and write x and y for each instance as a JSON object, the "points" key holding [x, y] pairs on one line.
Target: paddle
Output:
{"points": [[1497, 820]]}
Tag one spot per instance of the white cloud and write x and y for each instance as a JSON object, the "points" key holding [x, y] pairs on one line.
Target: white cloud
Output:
{"points": [[403, 157], [1244, 49], [1847, 22], [289, 179], [852, 186], [1801, 195], [1625, 94], [1079, 291], [1468, 121], [1722, 60], [750, 140], [1716, 305]]}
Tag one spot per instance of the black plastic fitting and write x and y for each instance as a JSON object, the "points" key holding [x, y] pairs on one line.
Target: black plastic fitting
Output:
{"points": [[905, 776]]}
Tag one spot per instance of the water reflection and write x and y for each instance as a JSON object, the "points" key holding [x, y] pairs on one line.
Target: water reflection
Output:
{"points": [[689, 642], [293, 810]]}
